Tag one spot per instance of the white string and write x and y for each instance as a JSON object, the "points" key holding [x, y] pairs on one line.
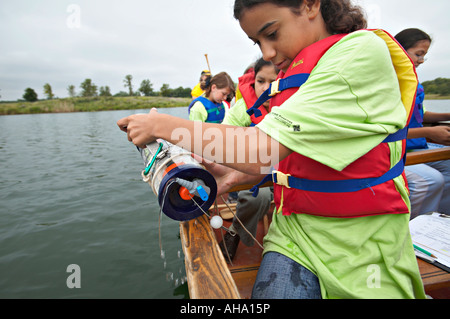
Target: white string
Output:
{"points": [[209, 216], [245, 228]]}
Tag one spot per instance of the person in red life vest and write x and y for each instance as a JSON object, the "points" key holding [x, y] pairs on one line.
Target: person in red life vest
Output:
{"points": [[429, 184], [337, 126], [249, 209], [210, 107], [251, 86]]}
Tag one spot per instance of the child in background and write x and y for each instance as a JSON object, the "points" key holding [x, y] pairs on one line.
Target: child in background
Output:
{"points": [[249, 209], [328, 238], [429, 183], [210, 108], [199, 89], [251, 86]]}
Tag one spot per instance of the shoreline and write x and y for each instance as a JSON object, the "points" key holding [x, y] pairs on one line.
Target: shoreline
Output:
{"points": [[98, 104], [91, 104]]}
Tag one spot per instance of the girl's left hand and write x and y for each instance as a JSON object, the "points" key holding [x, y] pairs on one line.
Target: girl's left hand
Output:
{"points": [[226, 177], [139, 128]]}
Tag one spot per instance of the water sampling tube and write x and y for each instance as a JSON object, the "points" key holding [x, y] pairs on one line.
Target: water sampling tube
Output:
{"points": [[184, 188]]}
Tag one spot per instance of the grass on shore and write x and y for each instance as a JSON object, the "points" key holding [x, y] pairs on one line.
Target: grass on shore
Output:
{"points": [[436, 97], [91, 104]]}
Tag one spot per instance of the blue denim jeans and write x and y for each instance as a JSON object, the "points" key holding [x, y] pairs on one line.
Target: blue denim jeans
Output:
{"points": [[279, 277], [425, 181]]}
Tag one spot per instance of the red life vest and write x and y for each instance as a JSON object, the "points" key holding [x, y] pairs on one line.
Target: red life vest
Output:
{"points": [[247, 90], [377, 200]]}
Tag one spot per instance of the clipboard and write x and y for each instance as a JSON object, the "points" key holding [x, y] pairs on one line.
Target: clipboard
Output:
{"points": [[431, 234]]}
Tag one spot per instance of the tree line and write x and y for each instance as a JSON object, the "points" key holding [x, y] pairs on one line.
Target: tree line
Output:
{"points": [[439, 86], [89, 89]]}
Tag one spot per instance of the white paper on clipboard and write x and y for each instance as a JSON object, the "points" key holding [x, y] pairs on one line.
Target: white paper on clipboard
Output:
{"points": [[432, 233]]}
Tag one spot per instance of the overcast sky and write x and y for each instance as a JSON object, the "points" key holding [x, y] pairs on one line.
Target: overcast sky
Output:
{"points": [[64, 42]]}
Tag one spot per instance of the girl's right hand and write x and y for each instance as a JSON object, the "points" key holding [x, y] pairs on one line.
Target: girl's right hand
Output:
{"points": [[139, 128]]}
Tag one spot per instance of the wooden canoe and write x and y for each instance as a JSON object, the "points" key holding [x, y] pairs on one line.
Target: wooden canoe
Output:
{"points": [[210, 277]]}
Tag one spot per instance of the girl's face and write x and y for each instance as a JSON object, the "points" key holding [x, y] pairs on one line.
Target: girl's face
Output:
{"points": [[218, 95], [282, 33], [418, 52], [203, 79], [263, 79]]}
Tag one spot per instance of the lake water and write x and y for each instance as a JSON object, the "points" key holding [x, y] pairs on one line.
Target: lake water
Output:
{"points": [[439, 106], [71, 193]]}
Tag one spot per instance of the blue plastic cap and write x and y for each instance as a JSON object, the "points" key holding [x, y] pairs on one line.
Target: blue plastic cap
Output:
{"points": [[202, 193]]}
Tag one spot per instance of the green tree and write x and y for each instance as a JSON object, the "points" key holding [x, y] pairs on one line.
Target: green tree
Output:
{"points": [[165, 90], [30, 95], [121, 94], [181, 92], [88, 89], [439, 86], [146, 88], [127, 83], [48, 91], [105, 91], [71, 90]]}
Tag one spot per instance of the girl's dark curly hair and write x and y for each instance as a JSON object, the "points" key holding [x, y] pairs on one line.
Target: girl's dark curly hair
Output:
{"points": [[340, 16]]}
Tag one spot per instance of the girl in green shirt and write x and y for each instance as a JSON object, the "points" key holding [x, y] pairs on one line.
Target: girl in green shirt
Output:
{"points": [[349, 105]]}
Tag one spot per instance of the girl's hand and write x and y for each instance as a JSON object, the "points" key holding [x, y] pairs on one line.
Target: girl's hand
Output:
{"points": [[440, 135], [226, 177], [139, 128]]}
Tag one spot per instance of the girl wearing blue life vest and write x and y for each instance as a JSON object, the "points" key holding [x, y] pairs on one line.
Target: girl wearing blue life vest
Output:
{"points": [[210, 107], [341, 226], [429, 184]]}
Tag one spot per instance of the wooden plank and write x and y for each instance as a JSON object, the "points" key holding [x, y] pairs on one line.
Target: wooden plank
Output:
{"points": [[207, 272], [428, 156], [248, 187], [435, 280], [245, 277]]}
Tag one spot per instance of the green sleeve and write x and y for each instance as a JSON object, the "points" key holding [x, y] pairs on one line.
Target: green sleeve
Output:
{"points": [[198, 112], [237, 115]]}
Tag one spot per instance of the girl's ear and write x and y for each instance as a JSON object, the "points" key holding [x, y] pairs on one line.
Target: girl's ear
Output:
{"points": [[312, 8]]}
